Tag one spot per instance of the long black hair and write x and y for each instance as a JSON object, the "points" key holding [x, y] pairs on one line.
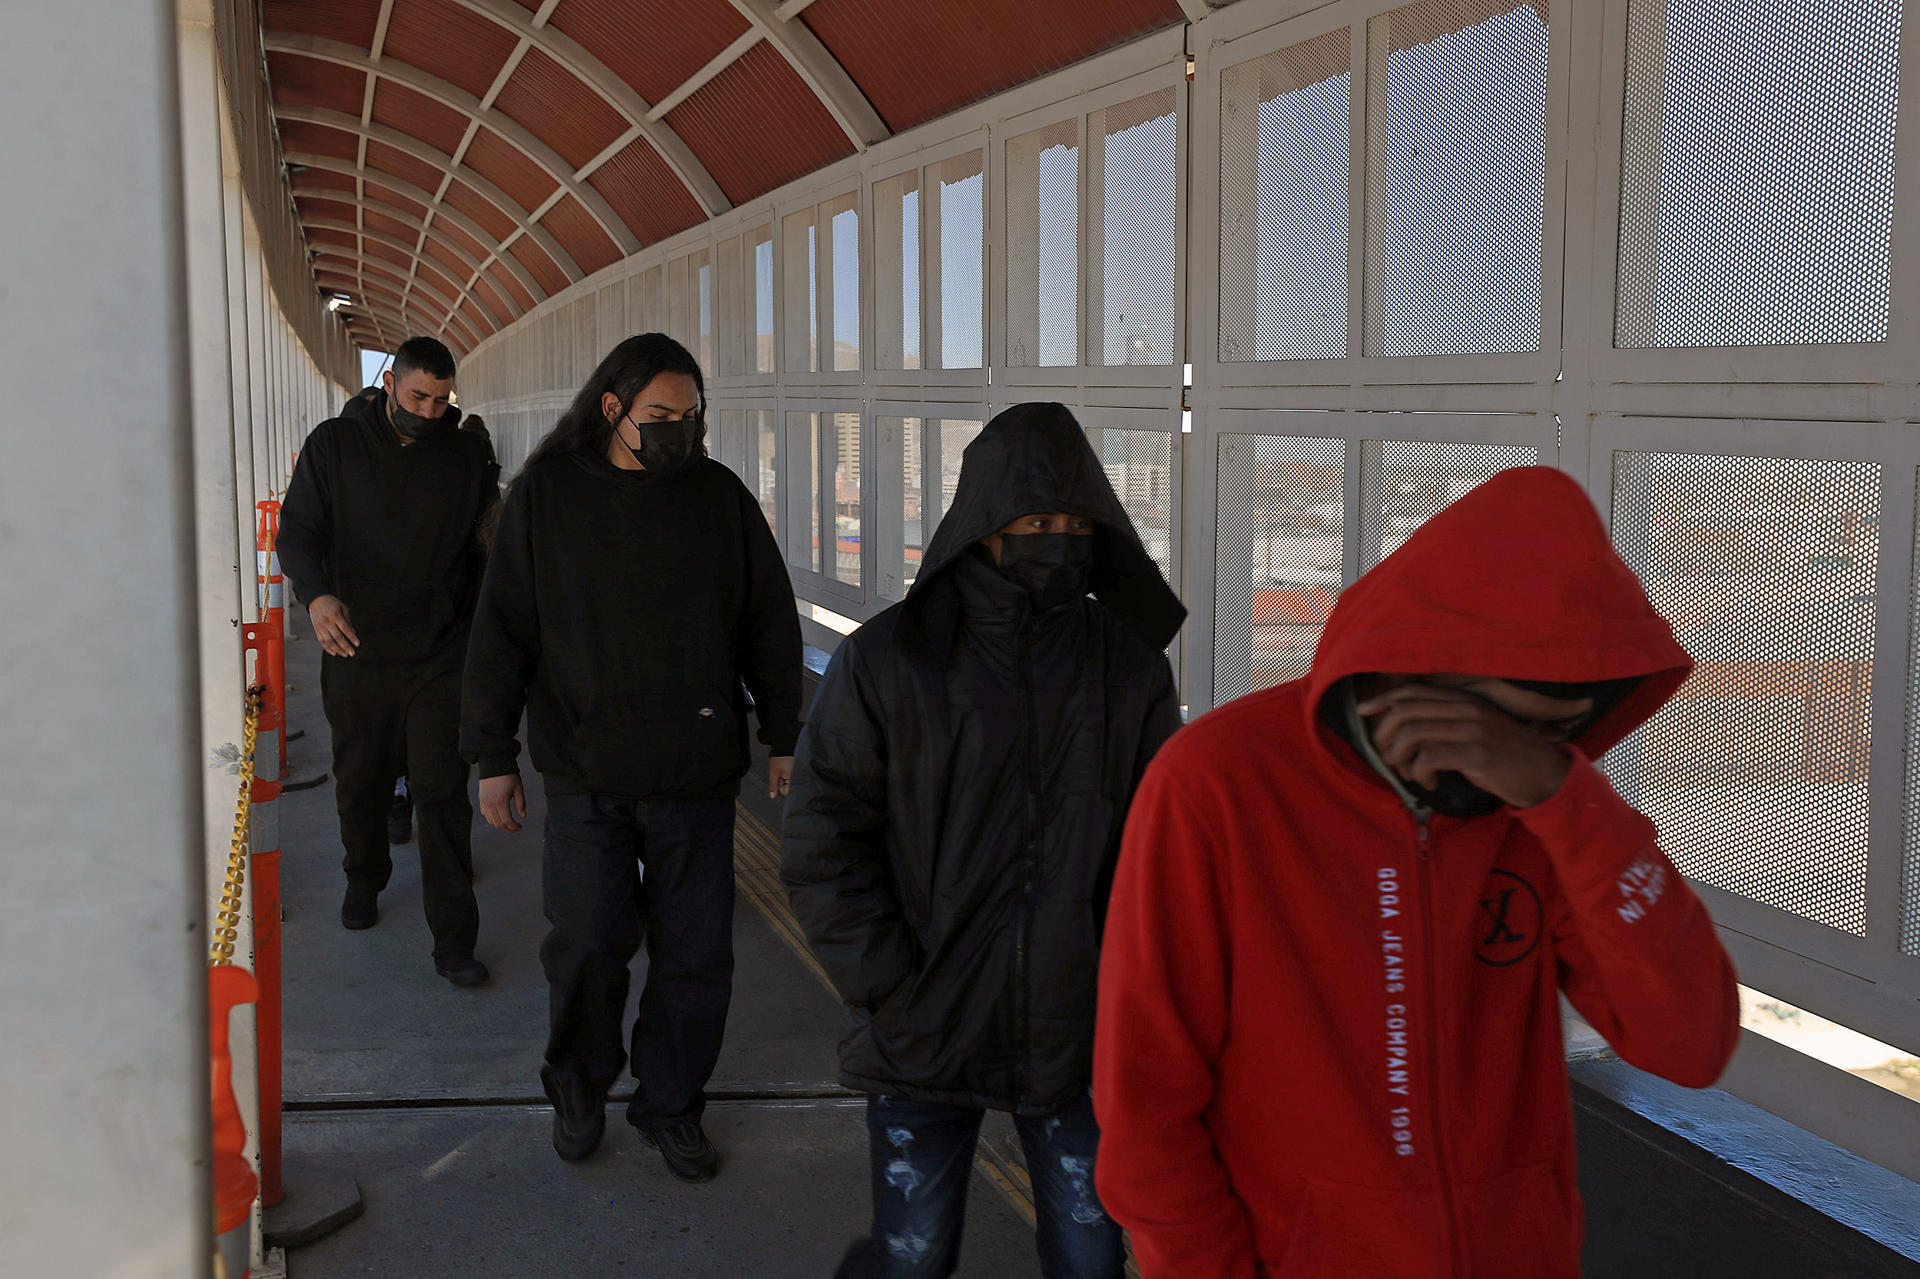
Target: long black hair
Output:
{"points": [[584, 428]]}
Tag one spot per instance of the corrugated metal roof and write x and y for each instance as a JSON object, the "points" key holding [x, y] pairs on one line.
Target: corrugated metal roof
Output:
{"points": [[392, 160], [535, 259], [918, 61], [349, 21], [434, 123], [560, 109], [309, 82], [387, 195], [447, 41], [644, 192], [757, 125], [654, 45], [470, 202], [507, 167], [511, 283], [580, 235], [298, 135], [495, 301]]}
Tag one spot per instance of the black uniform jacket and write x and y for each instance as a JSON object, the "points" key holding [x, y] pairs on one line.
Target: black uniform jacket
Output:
{"points": [[959, 790], [391, 530]]}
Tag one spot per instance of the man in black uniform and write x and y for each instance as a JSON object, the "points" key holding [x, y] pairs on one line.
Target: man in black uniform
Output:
{"points": [[380, 537]]}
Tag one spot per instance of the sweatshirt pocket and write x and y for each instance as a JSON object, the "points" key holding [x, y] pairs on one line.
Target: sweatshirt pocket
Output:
{"points": [[1523, 1222], [1346, 1230], [672, 741]]}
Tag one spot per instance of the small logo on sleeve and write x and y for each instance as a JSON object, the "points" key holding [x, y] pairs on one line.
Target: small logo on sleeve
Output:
{"points": [[1509, 922], [706, 712]]}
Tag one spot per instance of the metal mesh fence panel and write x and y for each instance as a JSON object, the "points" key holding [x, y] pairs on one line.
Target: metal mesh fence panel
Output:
{"points": [[896, 272], [1280, 531], [1757, 172], [1283, 203], [843, 564], [700, 286], [956, 230], [1755, 772], [1137, 153], [1405, 483], [764, 440], [1456, 177], [727, 442], [1139, 465], [613, 319], [1910, 868], [729, 303], [803, 310], [759, 325], [842, 217], [681, 315], [1043, 246]]}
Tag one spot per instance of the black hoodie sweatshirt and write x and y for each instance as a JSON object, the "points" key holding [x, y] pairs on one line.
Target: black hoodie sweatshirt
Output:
{"points": [[622, 610], [391, 530], [959, 790]]}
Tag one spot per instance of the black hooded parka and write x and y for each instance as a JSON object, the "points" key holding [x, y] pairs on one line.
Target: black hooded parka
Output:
{"points": [[959, 790]]}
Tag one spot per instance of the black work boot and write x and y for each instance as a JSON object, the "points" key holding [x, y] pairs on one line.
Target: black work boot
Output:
{"points": [[684, 1145], [360, 909], [579, 1115], [462, 970]]}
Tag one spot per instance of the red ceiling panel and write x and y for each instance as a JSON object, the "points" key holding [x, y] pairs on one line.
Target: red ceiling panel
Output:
{"points": [[313, 206], [321, 235], [511, 283], [580, 235], [507, 167], [757, 125], [645, 193], [446, 230], [653, 45], [350, 21], [393, 160], [441, 254], [434, 123], [392, 226], [321, 180], [309, 82], [535, 259], [492, 297], [403, 260], [387, 195], [296, 137], [560, 109], [918, 61], [470, 202], [437, 279], [475, 321], [450, 42]]}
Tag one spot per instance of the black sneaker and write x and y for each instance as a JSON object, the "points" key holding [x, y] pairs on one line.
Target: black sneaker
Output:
{"points": [[400, 820], [360, 909], [684, 1145], [462, 970], [579, 1116]]}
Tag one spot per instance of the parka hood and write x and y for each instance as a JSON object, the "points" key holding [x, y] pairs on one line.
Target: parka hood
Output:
{"points": [[1516, 580], [1034, 458]]}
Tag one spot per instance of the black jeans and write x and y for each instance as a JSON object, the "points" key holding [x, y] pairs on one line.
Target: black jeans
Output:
{"points": [[600, 907], [922, 1161], [389, 718]]}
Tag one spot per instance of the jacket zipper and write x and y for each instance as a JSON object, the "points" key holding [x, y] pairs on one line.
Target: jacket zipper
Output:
{"points": [[1030, 846], [1430, 1001]]}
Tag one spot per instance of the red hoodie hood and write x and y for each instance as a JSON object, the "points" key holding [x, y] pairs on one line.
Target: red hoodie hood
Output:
{"points": [[1516, 580]]}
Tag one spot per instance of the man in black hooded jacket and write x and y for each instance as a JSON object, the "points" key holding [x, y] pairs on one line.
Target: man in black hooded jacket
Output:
{"points": [[955, 815]]}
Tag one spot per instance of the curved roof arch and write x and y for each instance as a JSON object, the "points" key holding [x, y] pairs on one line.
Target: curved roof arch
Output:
{"points": [[525, 144]]}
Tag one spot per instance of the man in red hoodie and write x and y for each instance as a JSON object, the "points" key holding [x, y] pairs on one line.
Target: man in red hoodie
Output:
{"points": [[1329, 1030]]}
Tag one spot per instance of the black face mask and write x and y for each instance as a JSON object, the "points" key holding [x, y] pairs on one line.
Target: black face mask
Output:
{"points": [[1055, 568], [666, 447], [411, 425]]}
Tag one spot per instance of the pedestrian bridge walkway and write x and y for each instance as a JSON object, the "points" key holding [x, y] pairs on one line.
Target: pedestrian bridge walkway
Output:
{"points": [[430, 1096]]}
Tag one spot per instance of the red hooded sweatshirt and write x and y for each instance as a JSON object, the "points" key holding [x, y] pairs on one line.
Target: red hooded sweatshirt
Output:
{"points": [[1329, 1029]]}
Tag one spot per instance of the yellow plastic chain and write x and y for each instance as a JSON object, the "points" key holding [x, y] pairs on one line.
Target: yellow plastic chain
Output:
{"points": [[226, 927]]}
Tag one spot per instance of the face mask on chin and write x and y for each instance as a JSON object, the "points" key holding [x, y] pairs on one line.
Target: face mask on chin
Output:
{"points": [[1054, 568]]}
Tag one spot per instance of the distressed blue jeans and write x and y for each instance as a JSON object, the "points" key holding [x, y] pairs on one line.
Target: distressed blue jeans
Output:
{"points": [[922, 1161]]}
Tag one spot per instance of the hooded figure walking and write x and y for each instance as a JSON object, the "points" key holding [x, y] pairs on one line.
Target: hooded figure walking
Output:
{"points": [[955, 816]]}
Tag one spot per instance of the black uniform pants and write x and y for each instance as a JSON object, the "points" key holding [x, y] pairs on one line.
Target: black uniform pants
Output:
{"points": [[390, 718], [600, 907]]}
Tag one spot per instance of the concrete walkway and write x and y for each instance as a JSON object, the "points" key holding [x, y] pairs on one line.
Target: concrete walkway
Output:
{"points": [[430, 1096]]}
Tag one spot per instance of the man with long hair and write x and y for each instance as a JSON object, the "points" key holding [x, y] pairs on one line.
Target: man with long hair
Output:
{"points": [[380, 539], [634, 588]]}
